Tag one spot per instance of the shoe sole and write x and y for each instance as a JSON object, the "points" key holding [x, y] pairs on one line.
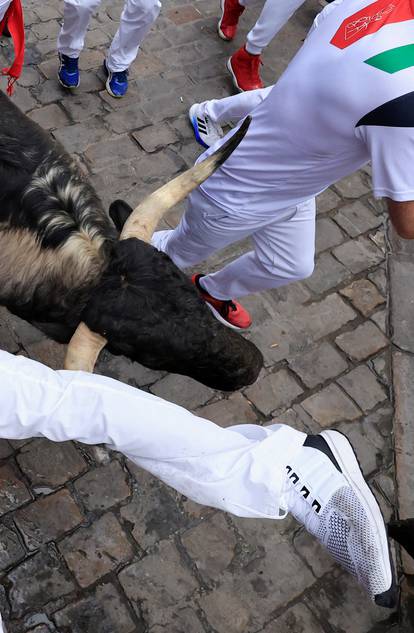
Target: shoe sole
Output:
{"points": [[219, 31], [233, 76], [68, 87], [223, 321], [193, 121], [109, 91], [348, 461]]}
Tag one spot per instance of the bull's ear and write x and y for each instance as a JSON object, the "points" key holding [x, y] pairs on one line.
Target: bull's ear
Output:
{"points": [[119, 212]]}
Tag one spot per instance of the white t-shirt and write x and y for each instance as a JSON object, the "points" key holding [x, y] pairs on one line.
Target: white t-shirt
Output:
{"points": [[345, 99]]}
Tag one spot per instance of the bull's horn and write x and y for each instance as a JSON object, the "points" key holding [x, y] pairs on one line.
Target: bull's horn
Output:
{"points": [[143, 220], [83, 349], [85, 346]]}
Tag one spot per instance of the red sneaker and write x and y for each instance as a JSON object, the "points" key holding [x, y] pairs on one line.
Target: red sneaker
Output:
{"points": [[244, 68], [230, 312], [231, 10]]}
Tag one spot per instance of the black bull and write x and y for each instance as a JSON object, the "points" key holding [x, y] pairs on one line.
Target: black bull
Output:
{"points": [[61, 262]]}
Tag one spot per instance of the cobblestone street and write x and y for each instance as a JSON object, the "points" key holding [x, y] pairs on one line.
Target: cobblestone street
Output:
{"points": [[89, 543]]}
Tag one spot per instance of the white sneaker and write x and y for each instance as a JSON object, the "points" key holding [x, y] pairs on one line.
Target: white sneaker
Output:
{"points": [[206, 131], [327, 493]]}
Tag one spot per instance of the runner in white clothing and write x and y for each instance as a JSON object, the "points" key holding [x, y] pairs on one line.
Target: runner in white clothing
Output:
{"points": [[346, 98], [244, 64], [136, 20], [248, 470]]}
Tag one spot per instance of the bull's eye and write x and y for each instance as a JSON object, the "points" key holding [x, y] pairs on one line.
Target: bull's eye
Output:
{"points": [[124, 281]]}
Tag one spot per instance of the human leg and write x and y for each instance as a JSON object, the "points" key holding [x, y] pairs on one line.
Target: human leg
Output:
{"points": [[249, 470], [136, 20], [284, 252], [274, 15], [77, 14]]}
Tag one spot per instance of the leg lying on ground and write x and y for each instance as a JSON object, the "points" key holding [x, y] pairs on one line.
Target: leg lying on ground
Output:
{"points": [[248, 470]]}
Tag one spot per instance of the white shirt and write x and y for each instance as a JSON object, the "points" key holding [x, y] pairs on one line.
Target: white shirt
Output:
{"points": [[315, 126]]}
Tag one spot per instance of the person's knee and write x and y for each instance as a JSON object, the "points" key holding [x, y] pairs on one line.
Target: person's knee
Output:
{"points": [[303, 268], [295, 269]]}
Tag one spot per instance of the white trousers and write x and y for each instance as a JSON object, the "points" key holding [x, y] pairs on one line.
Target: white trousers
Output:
{"points": [[4, 5], [283, 238], [136, 20], [240, 469], [274, 15]]}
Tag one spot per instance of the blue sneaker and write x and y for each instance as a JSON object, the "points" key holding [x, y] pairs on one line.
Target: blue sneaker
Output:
{"points": [[116, 83], [68, 73]]}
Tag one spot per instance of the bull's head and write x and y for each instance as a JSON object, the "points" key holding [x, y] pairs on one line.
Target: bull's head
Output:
{"points": [[147, 309]]}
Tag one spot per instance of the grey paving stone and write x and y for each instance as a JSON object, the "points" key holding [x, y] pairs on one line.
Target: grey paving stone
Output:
{"points": [[363, 295], [127, 119], [6, 449], [274, 391], [327, 201], [49, 117], [125, 370], [297, 619], [358, 255], [104, 487], [78, 137], [91, 552], [352, 186], [103, 611], [181, 620], [182, 390], [101, 155], [244, 602], [403, 370], [356, 218], [362, 342], [370, 439], [381, 366], [363, 387], [13, 491], [355, 607], [379, 278], [48, 352], [402, 299], [157, 583], [51, 464], [330, 405], [318, 365], [328, 273], [155, 137], [81, 105], [153, 513], [47, 518], [233, 410], [328, 234], [211, 545], [11, 549], [38, 580]]}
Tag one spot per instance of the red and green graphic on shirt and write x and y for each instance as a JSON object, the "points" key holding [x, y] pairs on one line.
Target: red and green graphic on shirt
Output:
{"points": [[370, 20]]}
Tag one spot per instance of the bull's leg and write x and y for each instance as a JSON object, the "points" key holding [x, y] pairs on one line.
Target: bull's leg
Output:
{"points": [[248, 470]]}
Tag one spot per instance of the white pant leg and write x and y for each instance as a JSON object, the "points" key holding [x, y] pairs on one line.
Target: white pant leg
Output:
{"points": [[273, 17], [239, 469], [236, 107], [4, 5], [284, 246], [284, 252], [77, 14], [136, 20]]}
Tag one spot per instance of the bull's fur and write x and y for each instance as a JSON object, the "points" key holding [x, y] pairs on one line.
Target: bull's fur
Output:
{"points": [[61, 262]]}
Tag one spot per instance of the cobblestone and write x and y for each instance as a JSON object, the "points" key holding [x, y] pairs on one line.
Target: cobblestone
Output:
{"points": [[358, 255], [274, 391], [94, 551], [363, 295], [103, 487], [13, 492], [297, 619], [356, 218], [328, 234], [318, 365], [362, 342], [363, 387], [11, 549], [182, 391], [233, 410], [330, 405], [47, 518], [50, 464], [328, 273]]}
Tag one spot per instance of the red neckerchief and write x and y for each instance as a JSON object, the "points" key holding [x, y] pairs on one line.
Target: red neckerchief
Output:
{"points": [[15, 23]]}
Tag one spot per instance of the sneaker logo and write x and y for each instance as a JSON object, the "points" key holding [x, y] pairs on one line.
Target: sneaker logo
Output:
{"points": [[304, 491]]}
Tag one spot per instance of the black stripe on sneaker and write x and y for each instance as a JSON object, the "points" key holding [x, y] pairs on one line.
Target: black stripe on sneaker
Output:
{"points": [[318, 442]]}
